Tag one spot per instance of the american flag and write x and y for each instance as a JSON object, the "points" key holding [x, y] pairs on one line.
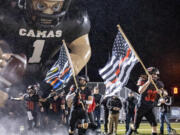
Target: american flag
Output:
{"points": [[117, 70], [60, 73]]}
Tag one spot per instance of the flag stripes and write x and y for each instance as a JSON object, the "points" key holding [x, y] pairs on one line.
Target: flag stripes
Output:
{"points": [[61, 72], [117, 71]]}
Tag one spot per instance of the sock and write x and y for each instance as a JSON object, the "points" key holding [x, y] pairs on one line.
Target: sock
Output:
{"points": [[130, 131]]}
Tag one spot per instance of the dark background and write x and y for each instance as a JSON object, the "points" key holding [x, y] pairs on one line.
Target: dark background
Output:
{"points": [[152, 26]]}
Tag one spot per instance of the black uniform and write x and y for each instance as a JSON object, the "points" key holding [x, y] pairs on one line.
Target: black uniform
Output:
{"points": [[55, 109], [91, 128], [145, 105], [38, 44], [32, 109], [77, 110], [44, 115]]}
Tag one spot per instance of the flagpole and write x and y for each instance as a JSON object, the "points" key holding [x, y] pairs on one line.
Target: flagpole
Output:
{"points": [[70, 62], [73, 72], [130, 45]]}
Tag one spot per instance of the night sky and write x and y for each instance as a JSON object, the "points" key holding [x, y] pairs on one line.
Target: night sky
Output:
{"points": [[152, 26]]}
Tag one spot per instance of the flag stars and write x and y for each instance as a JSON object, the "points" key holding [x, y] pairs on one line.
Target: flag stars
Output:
{"points": [[62, 57], [120, 46]]}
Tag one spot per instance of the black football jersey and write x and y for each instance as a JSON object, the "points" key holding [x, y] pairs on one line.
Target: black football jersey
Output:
{"points": [[56, 104], [31, 102], [149, 96], [84, 96], [40, 45]]}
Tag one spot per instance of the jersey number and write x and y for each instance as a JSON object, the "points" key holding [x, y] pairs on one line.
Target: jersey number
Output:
{"points": [[38, 48], [151, 95]]}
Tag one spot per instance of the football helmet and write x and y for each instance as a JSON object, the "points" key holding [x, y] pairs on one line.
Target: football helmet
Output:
{"points": [[153, 70], [36, 17], [85, 78], [31, 89]]}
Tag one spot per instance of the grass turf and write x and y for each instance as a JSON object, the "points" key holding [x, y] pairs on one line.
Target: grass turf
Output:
{"points": [[145, 128]]}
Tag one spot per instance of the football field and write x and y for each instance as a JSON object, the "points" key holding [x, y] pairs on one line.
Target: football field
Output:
{"points": [[145, 128]]}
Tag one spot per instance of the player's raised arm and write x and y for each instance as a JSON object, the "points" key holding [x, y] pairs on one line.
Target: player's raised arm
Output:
{"points": [[143, 87]]}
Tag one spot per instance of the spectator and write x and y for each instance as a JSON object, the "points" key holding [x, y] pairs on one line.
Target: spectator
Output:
{"points": [[164, 109], [97, 111], [114, 105], [129, 106], [106, 114]]}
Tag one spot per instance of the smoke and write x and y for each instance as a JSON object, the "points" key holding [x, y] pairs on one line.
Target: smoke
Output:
{"points": [[10, 125], [13, 118], [90, 132], [18, 126], [61, 131]]}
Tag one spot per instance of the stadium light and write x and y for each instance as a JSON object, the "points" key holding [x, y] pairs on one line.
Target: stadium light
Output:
{"points": [[175, 90]]}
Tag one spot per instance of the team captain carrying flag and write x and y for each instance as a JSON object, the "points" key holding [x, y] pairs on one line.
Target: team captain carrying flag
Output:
{"points": [[116, 75]]}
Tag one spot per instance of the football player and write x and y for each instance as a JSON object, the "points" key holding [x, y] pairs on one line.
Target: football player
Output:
{"points": [[82, 98], [36, 28], [56, 109], [147, 100], [32, 105]]}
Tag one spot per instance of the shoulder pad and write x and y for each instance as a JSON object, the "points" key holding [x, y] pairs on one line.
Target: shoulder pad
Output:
{"points": [[75, 26]]}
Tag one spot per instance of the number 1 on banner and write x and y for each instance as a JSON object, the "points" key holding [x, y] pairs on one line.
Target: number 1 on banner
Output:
{"points": [[38, 48]]}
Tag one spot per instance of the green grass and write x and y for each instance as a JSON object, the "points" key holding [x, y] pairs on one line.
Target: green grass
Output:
{"points": [[145, 128]]}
